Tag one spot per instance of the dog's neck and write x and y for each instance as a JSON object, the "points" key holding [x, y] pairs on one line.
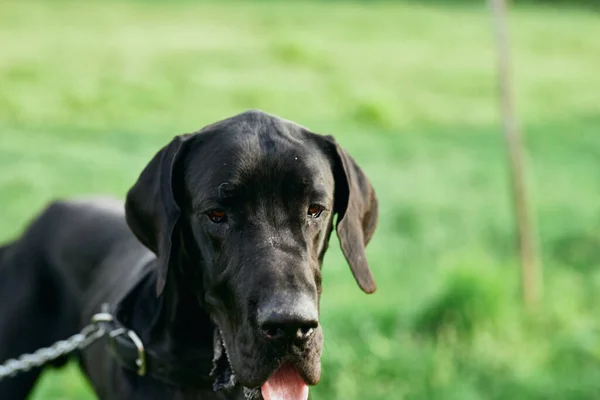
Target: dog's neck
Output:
{"points": [[175, 331], [180, 323], [173, 326]]}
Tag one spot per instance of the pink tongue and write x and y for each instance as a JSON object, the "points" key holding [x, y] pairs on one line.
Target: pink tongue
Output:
{"points": [[285, 384]]}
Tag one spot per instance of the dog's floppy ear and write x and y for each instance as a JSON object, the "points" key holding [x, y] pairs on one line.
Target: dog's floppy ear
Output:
{"points": [[357, 209], [151, 208]]}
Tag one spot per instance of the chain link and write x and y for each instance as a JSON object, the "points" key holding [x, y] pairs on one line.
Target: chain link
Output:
{"points": [[24, 363]]}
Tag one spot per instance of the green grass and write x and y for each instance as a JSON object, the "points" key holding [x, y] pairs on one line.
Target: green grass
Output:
{"points": [[90, 90]]}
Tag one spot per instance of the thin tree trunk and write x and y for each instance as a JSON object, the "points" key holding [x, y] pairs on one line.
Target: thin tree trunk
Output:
{"points": [[527, 237]]}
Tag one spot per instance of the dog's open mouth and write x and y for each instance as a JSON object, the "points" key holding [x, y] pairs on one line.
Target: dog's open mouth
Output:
{"points": [[285, 384]]}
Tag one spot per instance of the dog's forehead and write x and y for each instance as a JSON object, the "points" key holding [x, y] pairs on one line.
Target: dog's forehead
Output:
{"points": [[259, 150], [273, 149]]}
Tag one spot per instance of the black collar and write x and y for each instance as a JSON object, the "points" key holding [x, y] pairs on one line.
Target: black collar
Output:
{"points": [[176, 372], [126, 347]]}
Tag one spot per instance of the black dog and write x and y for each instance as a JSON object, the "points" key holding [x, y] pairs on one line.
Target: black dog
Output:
{"points": [[220, 278]]}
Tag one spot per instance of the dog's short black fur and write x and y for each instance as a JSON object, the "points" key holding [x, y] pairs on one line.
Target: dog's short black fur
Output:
{"points": [[225, 228]]}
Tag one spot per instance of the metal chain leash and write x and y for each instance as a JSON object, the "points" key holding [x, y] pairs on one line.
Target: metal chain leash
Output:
{"points": [[81, 340]]}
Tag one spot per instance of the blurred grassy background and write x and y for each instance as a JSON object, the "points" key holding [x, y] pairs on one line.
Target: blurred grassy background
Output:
{"points": [[90, 90]]}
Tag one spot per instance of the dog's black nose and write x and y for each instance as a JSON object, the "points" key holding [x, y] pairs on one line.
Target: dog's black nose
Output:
{"points": [[288, 327], [292, 320]]}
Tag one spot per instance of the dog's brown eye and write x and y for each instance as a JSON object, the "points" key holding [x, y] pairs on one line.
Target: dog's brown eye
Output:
{"points": [[217, 216], [315, 211]]}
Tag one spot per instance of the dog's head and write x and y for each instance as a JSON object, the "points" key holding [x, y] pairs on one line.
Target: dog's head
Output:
{"points": [[244, 208]]}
